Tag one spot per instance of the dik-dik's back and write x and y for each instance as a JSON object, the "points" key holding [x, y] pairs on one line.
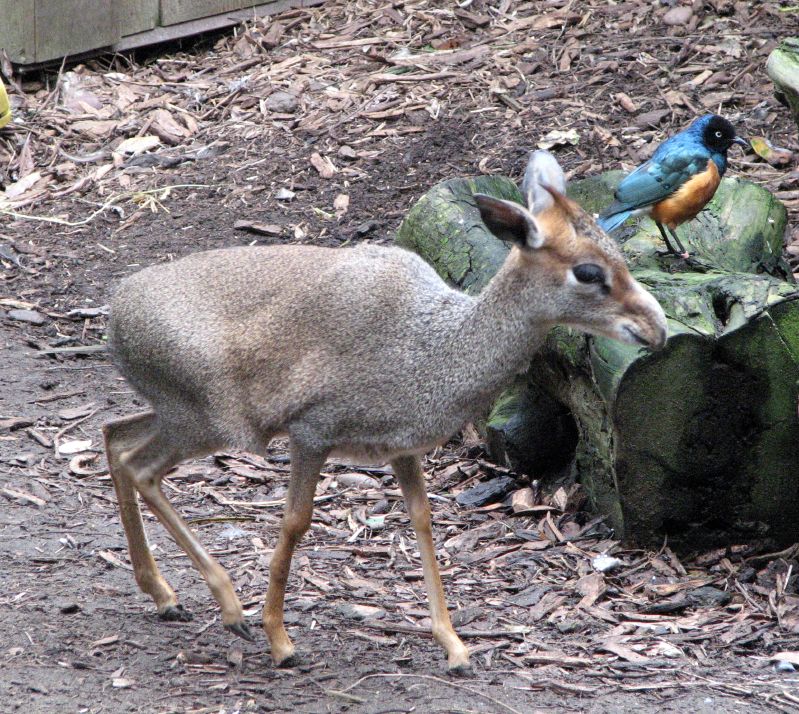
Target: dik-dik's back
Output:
{"points": [[362, 350], [349, 339]]}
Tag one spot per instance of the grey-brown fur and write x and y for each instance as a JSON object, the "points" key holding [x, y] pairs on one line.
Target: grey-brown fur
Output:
{"points": [[363, 351]]}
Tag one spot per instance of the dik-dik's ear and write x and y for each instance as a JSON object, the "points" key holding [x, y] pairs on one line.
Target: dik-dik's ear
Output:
{"points": [[542, 176], [509, 221]]}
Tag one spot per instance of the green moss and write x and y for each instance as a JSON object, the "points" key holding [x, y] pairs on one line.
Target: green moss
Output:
{"points": [[445, 228], [596, 192]]}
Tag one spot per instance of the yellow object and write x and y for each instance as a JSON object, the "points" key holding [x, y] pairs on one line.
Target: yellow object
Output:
{"points": [[5, 107]]}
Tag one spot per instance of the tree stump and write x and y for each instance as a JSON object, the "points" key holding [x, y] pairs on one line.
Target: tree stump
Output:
{"points": [[783, 68], [696, 442]]}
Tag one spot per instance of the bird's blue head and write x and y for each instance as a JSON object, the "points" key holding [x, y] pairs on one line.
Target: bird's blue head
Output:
{"points": [[716, 133]]}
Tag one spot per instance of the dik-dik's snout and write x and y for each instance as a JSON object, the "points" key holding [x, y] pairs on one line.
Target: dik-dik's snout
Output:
{"points": [[643, 321]]}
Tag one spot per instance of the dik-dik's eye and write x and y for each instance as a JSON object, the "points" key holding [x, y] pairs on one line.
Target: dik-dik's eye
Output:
{"points": [[589, 273]]}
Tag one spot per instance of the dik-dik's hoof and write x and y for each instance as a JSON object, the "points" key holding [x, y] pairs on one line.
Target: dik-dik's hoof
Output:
{"points": [[289, 661], [241, 629], [176, 613], [461, 670]]}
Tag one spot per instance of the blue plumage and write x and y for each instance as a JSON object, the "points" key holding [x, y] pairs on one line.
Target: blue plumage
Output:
{"points": [[676, 161]]}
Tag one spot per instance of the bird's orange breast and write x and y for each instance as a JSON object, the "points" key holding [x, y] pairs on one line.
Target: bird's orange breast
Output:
{"points": [[689, 199]]}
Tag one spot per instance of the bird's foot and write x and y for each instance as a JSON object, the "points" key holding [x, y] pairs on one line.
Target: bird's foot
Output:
{"points": [[675, 253]]}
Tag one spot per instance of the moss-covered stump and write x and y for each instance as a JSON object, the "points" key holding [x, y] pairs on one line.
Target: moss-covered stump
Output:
{"points": [[783, 68], [697, 441]]}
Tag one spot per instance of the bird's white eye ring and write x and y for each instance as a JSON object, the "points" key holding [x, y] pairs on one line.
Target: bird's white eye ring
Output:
{"points": [[718, 135]]}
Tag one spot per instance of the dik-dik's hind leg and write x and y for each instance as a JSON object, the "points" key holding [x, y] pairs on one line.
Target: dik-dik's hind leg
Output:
{"points": [[408, 472], [120, 436], [297, 515], [146, 464]]}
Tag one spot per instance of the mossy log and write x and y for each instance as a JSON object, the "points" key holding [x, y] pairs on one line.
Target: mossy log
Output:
{"points": [[698, 441], [783, 68]]}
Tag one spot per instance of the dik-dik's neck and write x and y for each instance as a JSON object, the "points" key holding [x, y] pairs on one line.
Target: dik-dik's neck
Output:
{"points": [[506, 325]]}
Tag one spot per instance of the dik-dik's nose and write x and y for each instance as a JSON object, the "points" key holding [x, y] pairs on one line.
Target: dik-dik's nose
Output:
{"points": [[646, 318]]}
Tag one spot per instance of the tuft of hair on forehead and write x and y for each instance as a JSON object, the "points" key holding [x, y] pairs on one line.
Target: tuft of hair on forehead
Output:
{"points": [[565, 212]]}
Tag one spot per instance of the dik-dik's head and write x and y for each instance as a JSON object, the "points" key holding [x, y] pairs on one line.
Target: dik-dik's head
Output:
{"points": [[580, 276]]}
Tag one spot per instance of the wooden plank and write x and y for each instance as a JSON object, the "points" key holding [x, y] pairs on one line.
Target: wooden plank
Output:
{"points": [[175, 11], [68, 27], [16, 30], [18, 38], [207, 24], [136, 16]]}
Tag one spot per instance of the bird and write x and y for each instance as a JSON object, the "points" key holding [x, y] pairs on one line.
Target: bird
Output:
{"points": [[678, 181]]}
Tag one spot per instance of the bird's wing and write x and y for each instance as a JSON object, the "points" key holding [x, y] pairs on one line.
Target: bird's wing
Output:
{"points": [[657, 179]]}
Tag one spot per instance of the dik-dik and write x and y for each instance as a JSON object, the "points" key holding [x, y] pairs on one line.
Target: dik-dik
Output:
{"points": [[359, 351]]}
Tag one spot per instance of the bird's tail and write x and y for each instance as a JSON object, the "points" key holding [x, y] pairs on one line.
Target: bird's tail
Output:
{"points": [[611, 222]]}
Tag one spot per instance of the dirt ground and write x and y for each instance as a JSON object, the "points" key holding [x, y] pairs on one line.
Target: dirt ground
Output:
{"points": [[547, 632]]}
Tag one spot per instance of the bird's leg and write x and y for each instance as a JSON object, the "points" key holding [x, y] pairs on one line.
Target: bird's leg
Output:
{"points": [[669, 249], [683, 253]]}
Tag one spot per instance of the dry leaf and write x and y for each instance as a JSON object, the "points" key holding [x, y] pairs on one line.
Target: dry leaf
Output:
{"points": [[264, 229], [95, 128], [626, 103], [522, 500], [137, 145], [591, 587], [79, 465], [165, 126], [323, 165], [792, 657], [558, 137], [341, 204], [110, 640], [23, 496], [775, 155], [18, 188], [74, 447]]}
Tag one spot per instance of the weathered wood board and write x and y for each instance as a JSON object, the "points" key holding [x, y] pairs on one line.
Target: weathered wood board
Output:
{"points": [[137, 15], [174, 11], [36, 32], [42, 30]]}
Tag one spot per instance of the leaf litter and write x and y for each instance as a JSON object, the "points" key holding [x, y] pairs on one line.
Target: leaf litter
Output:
{"points": [[291, 125]]}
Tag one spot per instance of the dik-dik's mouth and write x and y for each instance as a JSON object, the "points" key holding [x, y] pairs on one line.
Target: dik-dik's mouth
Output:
{"points": [[634, 337]]}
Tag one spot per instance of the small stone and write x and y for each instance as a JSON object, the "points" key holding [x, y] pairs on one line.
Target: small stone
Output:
{"points": [[357, 480], [605, 563], [709, 597], [283, 194], [30, 316], [680, 15], [69, 609], [380, 507], [529, 596], [360, 612], [235, 657], [366, 228], [282, 103], [783, 666], [487, 492], [566, 627]]}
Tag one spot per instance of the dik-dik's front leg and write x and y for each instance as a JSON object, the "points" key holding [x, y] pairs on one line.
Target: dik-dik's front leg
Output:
{"points": [[408, 472]]}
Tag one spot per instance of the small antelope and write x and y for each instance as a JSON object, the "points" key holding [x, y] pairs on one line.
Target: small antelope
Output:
{"points": [[360, 351]]}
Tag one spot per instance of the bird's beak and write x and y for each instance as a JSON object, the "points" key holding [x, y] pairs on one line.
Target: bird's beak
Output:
{"points": [[741, 142]]}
